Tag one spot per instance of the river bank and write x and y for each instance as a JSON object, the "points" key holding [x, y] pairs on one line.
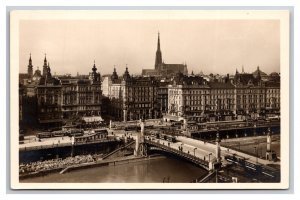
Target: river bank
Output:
{"points": [[98, 163]]}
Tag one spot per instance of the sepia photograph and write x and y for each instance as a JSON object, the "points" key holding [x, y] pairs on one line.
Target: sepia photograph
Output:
{"points": [[149, 99]]}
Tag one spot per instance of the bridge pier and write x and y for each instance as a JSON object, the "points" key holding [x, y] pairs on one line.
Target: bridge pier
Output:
{"points": [[140, 146], [270, 155], [216, 164]]}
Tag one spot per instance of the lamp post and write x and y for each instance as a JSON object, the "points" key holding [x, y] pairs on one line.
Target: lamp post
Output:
{"points": [[195, 151]]}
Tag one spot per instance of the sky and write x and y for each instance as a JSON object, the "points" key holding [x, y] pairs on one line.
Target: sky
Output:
{"points": [[210, 46]]}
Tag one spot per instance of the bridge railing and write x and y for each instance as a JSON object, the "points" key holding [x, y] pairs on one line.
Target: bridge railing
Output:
{"points": [[190, 157]]}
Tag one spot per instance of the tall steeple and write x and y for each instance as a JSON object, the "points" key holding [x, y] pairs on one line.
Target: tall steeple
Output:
{"points": [[158, 43], [30, 67], [45, 66], [158, 58]]}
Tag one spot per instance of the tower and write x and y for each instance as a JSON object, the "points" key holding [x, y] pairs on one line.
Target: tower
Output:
{"points": [[30, 67], [95, 76], [45, 67], [49, 70], [158, 57], [126, 75], [114, 75]]}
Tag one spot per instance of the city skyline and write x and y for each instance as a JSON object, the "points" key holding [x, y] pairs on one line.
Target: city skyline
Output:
{"points": [[210, 46]]}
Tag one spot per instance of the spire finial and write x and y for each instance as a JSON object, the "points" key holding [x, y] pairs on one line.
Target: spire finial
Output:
{"points": [[158, 42]]}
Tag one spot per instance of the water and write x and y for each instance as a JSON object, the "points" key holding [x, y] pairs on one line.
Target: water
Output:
{"points": [[150, 171]]}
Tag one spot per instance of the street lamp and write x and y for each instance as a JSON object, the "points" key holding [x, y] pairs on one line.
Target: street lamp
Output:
{"points": [[195, 151]]}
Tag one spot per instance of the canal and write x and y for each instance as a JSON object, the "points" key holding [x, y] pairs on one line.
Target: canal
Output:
{"points": [[157, 170]]}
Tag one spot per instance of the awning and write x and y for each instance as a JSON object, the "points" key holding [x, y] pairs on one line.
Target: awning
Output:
{"points": [[92, 119]]}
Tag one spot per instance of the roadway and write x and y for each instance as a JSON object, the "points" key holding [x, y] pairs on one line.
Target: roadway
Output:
{"points": [[210, 148], [204, 150], [202, 153]]}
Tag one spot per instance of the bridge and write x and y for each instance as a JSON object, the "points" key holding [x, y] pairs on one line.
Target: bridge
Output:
{"points": [[151, 145], [204, 154]]}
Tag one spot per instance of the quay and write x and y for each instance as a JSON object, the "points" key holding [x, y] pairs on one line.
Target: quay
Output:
{"points": [[98, 163]]}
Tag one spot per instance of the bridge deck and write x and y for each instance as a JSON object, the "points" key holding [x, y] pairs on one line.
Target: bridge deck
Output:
{"points": [[171, 149]]}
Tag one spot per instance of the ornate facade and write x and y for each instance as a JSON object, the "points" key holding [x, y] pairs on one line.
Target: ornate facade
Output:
{"points": [[64, 98], [247, 95], [133, 98]]}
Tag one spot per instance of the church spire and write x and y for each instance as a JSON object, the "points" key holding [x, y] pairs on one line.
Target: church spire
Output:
{"points": [[45, 66], [158, 58], [45, 60], [158, 43], [30, 67]]}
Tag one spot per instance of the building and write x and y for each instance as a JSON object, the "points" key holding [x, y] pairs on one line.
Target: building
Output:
{"points": [[272, 98], [81, 96], [48, 94], [163, 69], [53, 101], [223, 98], [133, 98], [140, 98], [250, 95], [28, 107], [188, 97], [162, 96]]}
